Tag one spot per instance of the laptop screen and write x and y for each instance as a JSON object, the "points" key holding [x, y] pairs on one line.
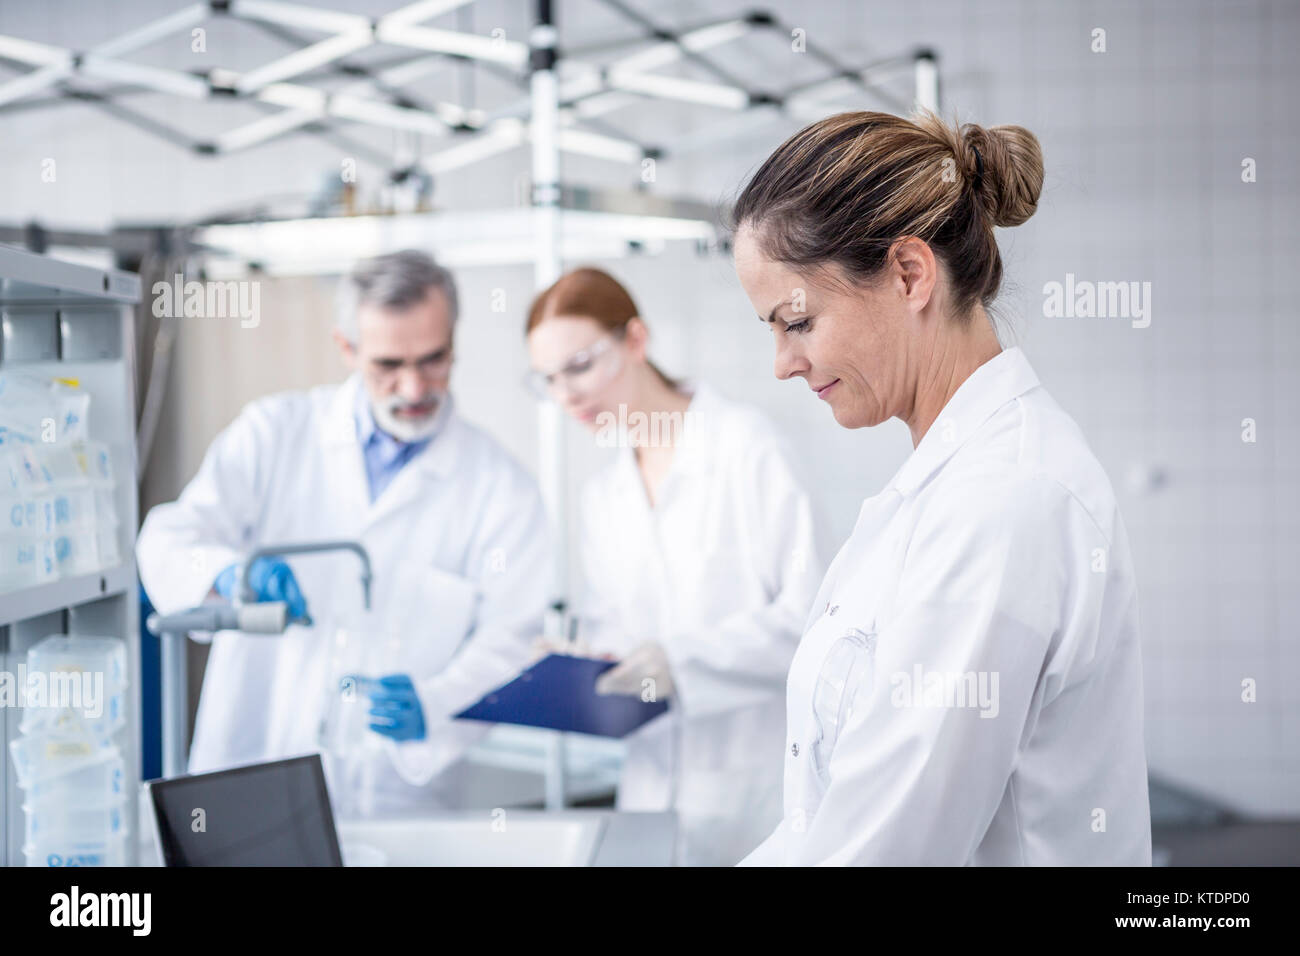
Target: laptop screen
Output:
{"points": [[268, 814]]}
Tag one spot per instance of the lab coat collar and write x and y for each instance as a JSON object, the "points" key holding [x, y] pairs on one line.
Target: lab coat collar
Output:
{"points": [[1001, 379], [438, 457], [340, 424], [363, 416]]}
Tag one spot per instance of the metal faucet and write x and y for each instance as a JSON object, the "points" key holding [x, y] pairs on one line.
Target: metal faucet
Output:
{"points": [[249, 616], [246, 592]]}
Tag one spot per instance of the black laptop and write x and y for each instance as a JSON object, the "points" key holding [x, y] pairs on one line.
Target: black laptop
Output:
{"points": [[266, 814]]}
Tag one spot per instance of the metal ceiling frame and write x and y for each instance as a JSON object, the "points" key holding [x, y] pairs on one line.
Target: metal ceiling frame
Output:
{"points": [[586, 91]]}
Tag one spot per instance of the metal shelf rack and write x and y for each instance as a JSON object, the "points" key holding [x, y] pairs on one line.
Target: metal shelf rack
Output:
{"points": [[74, 321]]}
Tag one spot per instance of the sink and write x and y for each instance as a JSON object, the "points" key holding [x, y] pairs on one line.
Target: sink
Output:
{"points": [[518, 838]]}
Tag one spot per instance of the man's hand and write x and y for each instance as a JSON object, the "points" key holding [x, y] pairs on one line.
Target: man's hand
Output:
{"points": [[395, 709], [272, 580]]}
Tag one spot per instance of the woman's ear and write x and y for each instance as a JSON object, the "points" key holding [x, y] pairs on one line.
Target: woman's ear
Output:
{"points": [[917, 268], [637, 337]]}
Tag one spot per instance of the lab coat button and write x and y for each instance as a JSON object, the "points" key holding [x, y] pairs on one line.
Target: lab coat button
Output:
{"points": [[834, 608], [794, 749]]}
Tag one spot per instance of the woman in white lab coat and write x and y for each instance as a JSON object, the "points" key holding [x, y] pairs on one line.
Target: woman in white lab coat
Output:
{"points": [[968, 689], [699, 560]]}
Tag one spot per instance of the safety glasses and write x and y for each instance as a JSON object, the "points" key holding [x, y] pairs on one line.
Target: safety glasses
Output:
{"points": [[585, 372]]}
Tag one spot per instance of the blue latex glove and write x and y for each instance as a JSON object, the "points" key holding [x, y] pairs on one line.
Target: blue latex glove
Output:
{"points": [[272, 579], [395, 709]]}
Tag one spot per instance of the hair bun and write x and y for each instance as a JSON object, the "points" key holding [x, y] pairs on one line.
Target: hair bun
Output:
{"points": [[1006, 163], [842, 192]]}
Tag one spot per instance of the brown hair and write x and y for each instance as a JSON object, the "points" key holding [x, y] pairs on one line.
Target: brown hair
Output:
{"points": [[590, 294], [845, 189]]}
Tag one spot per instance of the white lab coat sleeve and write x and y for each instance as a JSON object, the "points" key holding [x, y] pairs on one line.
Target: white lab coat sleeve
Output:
{"points": [[185, 544], [918, 772], [510, 562], [743, 659]]}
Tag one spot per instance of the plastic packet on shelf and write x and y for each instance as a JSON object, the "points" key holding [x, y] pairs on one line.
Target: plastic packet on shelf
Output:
{"points": [[94, 461], [82, 683], [105, 505], [73, 404], [64, 464], [26, 514], [98, 716], [64, 851], [39, 757], [53, 818], [75, 509], [26, 560], [27, 409], [77, 552], [110, 555], [59, 653], [63, 505], [96, 784], [30, 475], [37, 409], [10, 470]]}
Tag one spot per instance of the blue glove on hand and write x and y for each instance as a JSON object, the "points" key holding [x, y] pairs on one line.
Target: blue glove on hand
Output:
{"points": [[395, 709], [272, 579]]}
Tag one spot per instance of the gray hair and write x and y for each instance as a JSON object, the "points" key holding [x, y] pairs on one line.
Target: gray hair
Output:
{"points": [[397, 280]]}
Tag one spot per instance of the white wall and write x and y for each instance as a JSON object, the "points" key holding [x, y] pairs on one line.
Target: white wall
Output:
{"points": [[1143, 146]]}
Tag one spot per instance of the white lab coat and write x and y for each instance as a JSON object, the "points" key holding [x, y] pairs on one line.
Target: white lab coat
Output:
{"points": [[996, 550], [461, 565], [720, 572]]}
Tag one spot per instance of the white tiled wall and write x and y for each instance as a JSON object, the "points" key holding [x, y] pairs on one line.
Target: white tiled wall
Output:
{"points": [[1143, 146]]}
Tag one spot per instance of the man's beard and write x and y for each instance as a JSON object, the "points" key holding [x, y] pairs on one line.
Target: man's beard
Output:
{"points": [[406, 429]]}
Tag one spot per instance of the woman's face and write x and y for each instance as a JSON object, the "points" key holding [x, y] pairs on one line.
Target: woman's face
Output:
{"points": [[585, 365], [848, 342]]}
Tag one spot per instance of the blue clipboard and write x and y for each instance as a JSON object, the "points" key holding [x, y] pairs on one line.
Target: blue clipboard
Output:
{"points": [[559, 692]]}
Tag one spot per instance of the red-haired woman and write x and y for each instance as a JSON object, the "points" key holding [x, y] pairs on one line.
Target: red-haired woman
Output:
{"points": [[699, 564]]}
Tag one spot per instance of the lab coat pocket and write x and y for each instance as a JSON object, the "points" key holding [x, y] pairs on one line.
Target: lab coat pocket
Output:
{"points": [[438, 609], [846, 667]]}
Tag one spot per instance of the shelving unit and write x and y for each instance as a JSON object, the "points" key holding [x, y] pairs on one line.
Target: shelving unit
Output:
{"points": [[74, 321]]}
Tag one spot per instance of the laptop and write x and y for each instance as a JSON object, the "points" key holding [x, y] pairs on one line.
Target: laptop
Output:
{"points": [[265, 814]]}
